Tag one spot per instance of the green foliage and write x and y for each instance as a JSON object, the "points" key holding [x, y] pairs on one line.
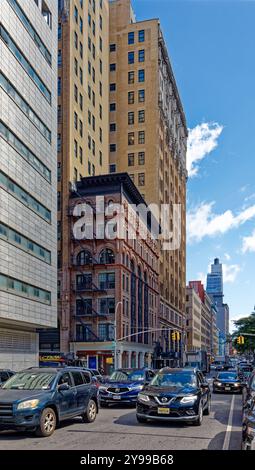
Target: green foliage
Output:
{"points": [[245, 325]]}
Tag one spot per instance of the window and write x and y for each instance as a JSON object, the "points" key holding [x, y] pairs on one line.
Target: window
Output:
{"points": [[13, 237], [112, 168], [131, 37], [141, 55], [100, 158], [84, 258], [141, 179], [75, 120], [100, 66], [76, 67], [59, 143], [75, 174], [131, 77], [131, 159], [76, 93], [81, 155], [112, 47], [106, 281], [141, 158], [83, 333], [59, 31], [75, 148], [131, 118], [81, 128], [23, 289], [24, 151], [141, 75], [4, 35], [75, 40], [141, 96], [112, 147], [112, 127], [131, 97], [112, 86], [81, 75], [131, 57], [107, 306], [59, 86], [112, 107], [100, 111], [81, 26], [81, 50], [101, 22], [81, 102], [141, 137], [105, 332], [141, 35], [76, 14], [83, 307], [107, 257], [141, 116], [112, 67], [131, 138]]}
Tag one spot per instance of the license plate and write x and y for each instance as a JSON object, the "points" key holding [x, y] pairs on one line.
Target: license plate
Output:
{"points": [[163, 411], [227, 388], [116, 397]]}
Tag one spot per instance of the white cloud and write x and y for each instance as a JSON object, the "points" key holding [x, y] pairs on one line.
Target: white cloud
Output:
{"points": [[202, 141], [249, 243], [227, 256], [202, 222], [230, 272]]}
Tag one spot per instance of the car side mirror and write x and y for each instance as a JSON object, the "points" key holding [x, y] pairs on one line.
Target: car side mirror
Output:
{"points": [[63, 387]]}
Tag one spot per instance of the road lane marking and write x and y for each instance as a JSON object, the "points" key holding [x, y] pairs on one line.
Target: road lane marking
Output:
{"points": [[229, 426]]}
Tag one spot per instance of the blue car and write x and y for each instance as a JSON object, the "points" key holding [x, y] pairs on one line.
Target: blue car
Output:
{"points": [[124, 385], [38, 399]]}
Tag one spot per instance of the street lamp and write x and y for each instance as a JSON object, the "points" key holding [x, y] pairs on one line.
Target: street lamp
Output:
{"points": [[115, 333]]}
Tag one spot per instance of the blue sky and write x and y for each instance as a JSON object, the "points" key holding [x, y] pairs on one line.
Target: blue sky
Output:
{"points": [[211, 46]]}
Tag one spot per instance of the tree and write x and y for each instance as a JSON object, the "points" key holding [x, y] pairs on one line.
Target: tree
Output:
{"points": [[245, 325]]}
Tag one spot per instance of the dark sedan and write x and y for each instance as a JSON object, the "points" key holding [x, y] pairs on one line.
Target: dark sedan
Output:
{"points": [[227, 382], [248, 428], [123, 386], [175, 395]]}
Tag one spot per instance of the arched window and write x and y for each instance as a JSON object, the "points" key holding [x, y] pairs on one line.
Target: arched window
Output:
{"points": [[107, 257], [84, 257]]}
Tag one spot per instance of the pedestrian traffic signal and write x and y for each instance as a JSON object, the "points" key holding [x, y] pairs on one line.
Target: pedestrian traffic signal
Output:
{"points": [[240, 340], [173, 335]]}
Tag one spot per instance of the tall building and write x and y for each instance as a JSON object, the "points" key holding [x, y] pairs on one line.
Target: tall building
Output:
{"points": [[148, 137], [114, 282], [83, 124], [215, 289], [193, 319], [28, 183]]}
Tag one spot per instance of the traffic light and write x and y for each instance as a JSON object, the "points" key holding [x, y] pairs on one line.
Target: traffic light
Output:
{"points": [[173, 335], [240, 340], [178, 336]]}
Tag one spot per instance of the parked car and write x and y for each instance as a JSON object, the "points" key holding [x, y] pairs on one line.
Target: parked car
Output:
{"points": [[175, 395], [249, 388], [38, 399], [124, 386], [5, 374], [227, 382], [248, 427]]}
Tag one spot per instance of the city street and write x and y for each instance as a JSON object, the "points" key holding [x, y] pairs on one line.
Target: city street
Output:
{"points": [[117, 428]]}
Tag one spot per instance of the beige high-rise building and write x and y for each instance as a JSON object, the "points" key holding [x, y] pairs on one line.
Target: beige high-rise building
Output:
{"points": [[193, 319], [83, 125], [148, 136]]}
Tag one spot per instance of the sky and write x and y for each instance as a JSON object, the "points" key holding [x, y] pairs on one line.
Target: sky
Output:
{"points": [[211, 44]]}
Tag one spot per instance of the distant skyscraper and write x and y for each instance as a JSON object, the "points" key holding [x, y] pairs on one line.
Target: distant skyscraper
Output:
{"points": [[215, 289]]}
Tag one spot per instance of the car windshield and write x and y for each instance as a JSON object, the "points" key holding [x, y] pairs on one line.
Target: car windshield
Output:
{"points": [[174, 379], [30, 381], [125, 376], [227, 376]]}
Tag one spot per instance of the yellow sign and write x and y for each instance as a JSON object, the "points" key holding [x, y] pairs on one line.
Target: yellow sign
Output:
{"points": [[109, 360]]}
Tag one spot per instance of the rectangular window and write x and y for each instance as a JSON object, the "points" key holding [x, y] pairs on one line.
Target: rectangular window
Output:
{"points": [[112, 148], [59, 31], [75, 40], [141, 96], [141, 137], [112, 168], [76, 67], [112, 127], [6, 85], [106, 280], [141, 75], [141, 55], [81, 155], [131, 159], [131, 37], [76, 93], [76, 14], [24, 151], [112, 107], [131, 77], [141, 158], [131, 118], [131, 138], [141, 179], [75, 148], [75, 120], [23, 196], [112, 86], [141, 116], [131, 97], [107, 306], [59, 58], [141, 35], [131, 57], [112, 67], [84, 307], [59, 86], [59, 143], [9, 284], [112, 47]]}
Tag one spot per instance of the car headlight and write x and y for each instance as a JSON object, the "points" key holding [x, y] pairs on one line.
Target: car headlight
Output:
{"points": [[102, 388], [31, 404], [143, 397], [251, 431], [218, 383], [189, 399], [237, 384], [139, 387]]}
